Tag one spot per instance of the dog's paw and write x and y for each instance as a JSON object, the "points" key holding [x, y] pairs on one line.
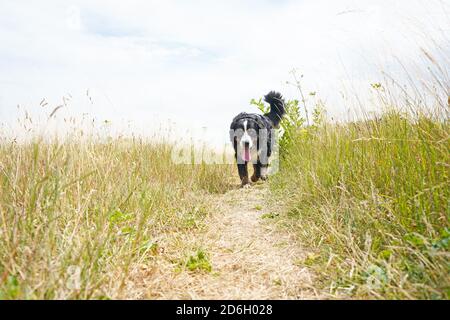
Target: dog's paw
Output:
{"points": [[245, 186], [254, 178], [264, 173]]}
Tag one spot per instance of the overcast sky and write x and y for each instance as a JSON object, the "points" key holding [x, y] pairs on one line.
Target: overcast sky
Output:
{"points": [[198, 63]]}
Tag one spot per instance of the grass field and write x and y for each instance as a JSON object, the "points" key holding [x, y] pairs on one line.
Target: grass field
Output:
{"points": [[367, 201], [88, 212], [371, 197]]}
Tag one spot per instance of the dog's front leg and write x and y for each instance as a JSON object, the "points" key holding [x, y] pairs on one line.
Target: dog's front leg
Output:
{"points": [[243, 173], [257, 172], [263, 172]]}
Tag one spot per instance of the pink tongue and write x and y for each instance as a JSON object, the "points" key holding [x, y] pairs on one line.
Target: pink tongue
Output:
{"points": [[247, 154]]}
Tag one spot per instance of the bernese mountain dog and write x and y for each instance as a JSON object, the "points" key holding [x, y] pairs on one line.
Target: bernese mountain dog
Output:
{"points": [[253, 138]]}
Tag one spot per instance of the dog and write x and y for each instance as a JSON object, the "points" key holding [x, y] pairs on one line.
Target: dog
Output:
{"points": [[252, 136]]}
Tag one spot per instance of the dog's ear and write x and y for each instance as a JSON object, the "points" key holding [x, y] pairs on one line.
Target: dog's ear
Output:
{"points": [[232, 133]]}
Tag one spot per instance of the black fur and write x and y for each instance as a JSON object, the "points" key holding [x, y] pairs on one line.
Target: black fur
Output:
{"points": [[276, 107], [260, 134]]}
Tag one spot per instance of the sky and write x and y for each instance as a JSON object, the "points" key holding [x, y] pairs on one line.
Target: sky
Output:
{"points": [[188, 67]]}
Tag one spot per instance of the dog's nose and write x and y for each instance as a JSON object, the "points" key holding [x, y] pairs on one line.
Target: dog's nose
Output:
{"points": [[246, 143]]}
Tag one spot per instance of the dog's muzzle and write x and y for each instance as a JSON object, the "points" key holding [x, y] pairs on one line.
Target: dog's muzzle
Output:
{"points": [[246, 145]]}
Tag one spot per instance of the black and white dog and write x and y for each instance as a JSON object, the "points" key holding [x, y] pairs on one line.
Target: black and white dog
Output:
{"points": [[253, 138]]}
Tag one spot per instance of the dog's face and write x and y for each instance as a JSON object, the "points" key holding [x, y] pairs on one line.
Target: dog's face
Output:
{"points": [[246, 139]]}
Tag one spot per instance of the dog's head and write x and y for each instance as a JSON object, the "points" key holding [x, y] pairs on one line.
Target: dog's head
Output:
{"points": [[244, 134]]}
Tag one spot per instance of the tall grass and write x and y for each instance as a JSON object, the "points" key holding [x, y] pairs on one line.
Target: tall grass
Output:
{"points": [[371, 199], [77, 216]]}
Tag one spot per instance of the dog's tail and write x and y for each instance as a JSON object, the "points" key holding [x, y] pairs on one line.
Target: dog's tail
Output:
{"points": [[277, 111]]}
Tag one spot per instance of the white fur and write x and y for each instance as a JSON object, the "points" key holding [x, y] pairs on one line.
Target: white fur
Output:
{"points": [[264, 172], [246, 137]]}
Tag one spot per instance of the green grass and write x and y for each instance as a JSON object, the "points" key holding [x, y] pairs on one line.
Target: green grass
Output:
{"points": [[198, 262], [368, 199], [270, 215], [89, 212], [372, 199]]}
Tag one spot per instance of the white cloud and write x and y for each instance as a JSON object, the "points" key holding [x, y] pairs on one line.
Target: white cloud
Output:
{"points": [[199, 63]]}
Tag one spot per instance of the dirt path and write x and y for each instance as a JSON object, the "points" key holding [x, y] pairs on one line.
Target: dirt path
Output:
{"points": [[250, 257]]}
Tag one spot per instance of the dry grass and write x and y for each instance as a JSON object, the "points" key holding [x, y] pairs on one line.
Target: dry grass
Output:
{"points": [[77, 217], [88, 218], [372, 199], [118, 220], [250, 258]]}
